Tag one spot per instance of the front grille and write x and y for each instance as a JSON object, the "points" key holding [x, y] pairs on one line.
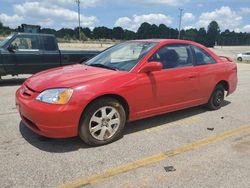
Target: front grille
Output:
{"points": [[30, 89], [27, 91]]}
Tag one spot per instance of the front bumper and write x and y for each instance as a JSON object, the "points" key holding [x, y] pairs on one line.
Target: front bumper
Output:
{"points": [[53, 121]]}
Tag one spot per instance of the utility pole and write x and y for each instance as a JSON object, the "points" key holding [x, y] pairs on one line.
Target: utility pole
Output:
{"points": [[181, 10], [79, 19]]}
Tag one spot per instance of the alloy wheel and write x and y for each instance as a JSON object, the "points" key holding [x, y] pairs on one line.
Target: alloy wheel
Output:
{"points": [[104, 123]]}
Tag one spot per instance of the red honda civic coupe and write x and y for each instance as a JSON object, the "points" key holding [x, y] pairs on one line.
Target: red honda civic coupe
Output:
{"points": [[129, 81]]}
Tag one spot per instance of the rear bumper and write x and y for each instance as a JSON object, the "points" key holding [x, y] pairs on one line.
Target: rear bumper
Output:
{"points": [[54, 121]]}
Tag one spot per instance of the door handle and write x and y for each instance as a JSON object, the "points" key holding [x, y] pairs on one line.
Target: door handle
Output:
{"points": [[192, 76]]}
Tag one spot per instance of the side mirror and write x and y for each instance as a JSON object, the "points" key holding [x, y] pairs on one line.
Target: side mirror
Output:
{"points": [[151, 67], [11, 48]]}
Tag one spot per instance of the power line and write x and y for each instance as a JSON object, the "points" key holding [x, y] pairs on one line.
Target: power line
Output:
{"points": [[181, 10]]}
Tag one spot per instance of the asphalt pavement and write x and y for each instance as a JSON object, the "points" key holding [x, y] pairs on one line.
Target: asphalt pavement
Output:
{"points": [[189, 148]]}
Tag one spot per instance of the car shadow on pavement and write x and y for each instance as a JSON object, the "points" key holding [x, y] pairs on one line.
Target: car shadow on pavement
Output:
{"points": [[167, 118], [74, 144], [50, 144], [11, 82]]}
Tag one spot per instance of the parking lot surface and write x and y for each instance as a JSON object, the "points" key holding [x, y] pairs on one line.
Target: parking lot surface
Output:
{"points": [[189, 148]]}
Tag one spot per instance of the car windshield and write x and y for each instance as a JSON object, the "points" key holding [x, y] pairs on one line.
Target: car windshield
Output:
{"points": [[122, 57], [3, 42]]}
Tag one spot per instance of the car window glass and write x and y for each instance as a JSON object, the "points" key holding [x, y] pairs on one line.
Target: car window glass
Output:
{"points": [[6, 40], [123, 56], [173, 56], [202, 57], [25, 43], [48, 43], [127, 53]]}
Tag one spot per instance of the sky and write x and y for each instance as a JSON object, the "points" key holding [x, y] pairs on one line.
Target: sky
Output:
{"points": [[129, 14]]}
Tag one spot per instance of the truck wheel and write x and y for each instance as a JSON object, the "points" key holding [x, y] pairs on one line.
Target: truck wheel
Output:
{"points": [[217, 98], [239, 58], [102, 122]]}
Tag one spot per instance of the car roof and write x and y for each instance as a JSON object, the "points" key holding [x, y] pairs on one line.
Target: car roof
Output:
{"points": [[165, 41]]}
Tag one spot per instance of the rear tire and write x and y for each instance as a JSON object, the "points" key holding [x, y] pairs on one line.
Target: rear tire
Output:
{"points": [[239, 58], [102, 122], [217, 98]]}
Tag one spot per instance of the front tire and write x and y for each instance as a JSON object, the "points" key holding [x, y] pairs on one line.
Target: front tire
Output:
{"points": [[217, 98], [102, 122], [239, 58]]}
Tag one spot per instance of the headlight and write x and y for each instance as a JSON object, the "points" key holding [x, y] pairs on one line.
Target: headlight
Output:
{"points": [[55, 96]]}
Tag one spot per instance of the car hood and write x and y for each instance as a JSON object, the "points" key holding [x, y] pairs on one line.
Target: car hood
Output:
{"points": [[68, 76]]}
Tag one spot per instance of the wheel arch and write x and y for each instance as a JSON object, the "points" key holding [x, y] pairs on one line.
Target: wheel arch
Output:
{"points": [[225, 85], [119, 98]]}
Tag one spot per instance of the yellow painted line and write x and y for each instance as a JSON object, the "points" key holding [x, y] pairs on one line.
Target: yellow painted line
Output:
{"points": [[89, 180]]}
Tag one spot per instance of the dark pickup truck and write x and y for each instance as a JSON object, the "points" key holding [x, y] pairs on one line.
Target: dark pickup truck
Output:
{"points": [[27, 53]]}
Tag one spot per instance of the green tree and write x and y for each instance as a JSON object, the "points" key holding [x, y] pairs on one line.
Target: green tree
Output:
{"points": [[202, 36], [143, 31], [65, 32], [164, 31], [129, 35], [213, 32], [87, 32], [67, 37], [154, 31], [102, 33], [83, 37], [118, 33], [48, 31], [4, 30], [190, 34]]}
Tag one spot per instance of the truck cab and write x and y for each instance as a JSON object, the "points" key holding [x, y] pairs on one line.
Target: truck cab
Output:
{"points": [[27, 53]]}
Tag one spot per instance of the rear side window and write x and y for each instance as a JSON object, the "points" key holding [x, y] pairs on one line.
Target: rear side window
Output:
{"points": [[173, 56], [202, 57], [48, 43]]}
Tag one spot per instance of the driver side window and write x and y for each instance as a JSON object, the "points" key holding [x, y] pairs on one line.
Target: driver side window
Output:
{"points": [[173, 56], [25, 43]]}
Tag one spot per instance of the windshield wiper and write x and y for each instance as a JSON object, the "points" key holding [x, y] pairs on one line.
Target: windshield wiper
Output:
{"points": [[102, 66]]}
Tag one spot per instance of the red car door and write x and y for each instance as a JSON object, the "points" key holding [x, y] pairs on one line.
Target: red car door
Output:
{"points": [[172, 88]]}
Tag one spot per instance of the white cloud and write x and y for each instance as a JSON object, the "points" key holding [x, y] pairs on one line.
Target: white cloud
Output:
{"points": [[10, 20], [135, 22], [70, 3], [245, 10], [166, 2], [188, 17], [246, 29], [67, 3], [226, 18], [189, 27], [123, 21], [50, 15]]}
